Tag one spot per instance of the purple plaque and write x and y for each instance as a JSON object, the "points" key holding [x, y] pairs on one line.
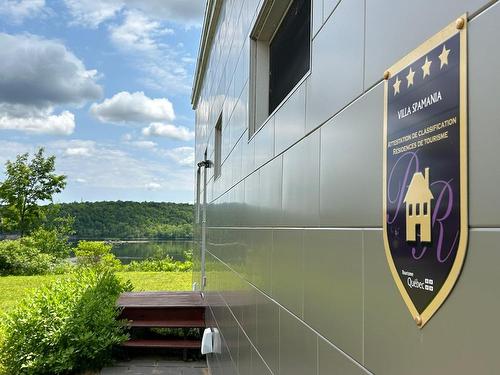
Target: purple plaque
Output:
{"points": [[425, 170]]}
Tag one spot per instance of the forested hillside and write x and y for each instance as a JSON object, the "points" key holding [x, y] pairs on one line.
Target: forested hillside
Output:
{"points": [[125, 220]]}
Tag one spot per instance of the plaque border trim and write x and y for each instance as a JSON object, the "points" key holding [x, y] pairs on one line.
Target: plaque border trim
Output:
{"points": [[427, 46]]}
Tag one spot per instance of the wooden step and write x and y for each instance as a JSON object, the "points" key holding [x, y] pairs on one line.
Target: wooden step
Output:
{"points": [[163, 344], [170, 315], [199, 323], [161, 299]]}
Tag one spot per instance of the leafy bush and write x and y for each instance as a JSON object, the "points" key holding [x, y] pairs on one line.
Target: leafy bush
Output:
{"points": [[44, 251], [21, 257], [53, 239], [68, 326], [96, 254], [167, 264]]}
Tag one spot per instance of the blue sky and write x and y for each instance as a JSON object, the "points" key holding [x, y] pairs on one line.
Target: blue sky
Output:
{"points": [[105, 86]]}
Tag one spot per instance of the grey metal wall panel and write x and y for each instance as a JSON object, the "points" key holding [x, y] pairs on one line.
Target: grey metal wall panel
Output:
{"points": [[328, 7], [287, 269], [244, 354], [395, 27], [337, 63], [251, 216], [290, 120], [239, 118], [298, 347], [270, 190], [237, 163], [331, 361], [249, 312], [317, 15], [351, 164], [333, 290], [268, 331], [301, 183], [484, 118], [258, 365], [460, 339], [264, 143], [299, 265], [248, 153], [260, 242]]}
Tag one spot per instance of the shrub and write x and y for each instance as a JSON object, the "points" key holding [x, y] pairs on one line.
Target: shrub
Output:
{"points": [[53, 240], [67, 326], [167, 264], [96, 254], [21, 257]]}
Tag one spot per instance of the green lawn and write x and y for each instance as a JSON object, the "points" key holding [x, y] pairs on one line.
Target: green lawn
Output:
{"points": [[13, 288]]}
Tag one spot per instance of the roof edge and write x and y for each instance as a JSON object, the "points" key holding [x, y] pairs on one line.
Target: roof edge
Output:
{"points": [[212, 11]]}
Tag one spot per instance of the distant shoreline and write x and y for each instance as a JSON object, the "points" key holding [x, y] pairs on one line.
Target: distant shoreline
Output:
{"points": [[111, 240], [131, 240]]}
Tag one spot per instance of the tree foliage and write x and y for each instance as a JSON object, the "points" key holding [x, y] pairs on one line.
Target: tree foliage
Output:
{"points": [[29, 182], [122, 220]]}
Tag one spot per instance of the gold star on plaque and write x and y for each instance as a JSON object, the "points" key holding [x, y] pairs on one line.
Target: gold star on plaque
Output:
{"points": [[409, 77], [427, 67], [444, 56], [396, 85]]}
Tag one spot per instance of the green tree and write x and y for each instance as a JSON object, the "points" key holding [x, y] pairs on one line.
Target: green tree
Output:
{"points": [[29, 182]]}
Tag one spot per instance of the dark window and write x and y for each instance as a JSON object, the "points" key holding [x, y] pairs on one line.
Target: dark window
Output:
{"points": [[410, 209], [289, 52], [218, 144], [425, 208], [417, 209]]}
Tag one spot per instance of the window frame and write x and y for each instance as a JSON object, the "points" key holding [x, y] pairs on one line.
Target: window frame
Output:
{"points": [[266, 26]]}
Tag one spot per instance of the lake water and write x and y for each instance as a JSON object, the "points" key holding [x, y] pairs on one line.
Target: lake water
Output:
{"points": [[128, 251]]}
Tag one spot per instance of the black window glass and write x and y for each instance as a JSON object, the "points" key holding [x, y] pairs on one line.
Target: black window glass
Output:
{"points": [[289, 52]]}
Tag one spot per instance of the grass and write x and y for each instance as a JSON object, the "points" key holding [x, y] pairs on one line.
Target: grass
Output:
{"points": [[14, 288]]}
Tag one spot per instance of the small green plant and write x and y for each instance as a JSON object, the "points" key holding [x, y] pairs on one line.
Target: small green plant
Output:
{"points": [[96, 254], [68, 326]]}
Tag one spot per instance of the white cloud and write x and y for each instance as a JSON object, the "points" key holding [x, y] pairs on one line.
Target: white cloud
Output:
{"points": [[36, 76], [91, 13], [153, 186], [41, 72], [45, 123], [17, 11], [138, 33], [74, 148], [144, 144], [142, 37], [185, 12], [77, 151], [170, 131], [138, 29], [136, 107], [183, 156]]}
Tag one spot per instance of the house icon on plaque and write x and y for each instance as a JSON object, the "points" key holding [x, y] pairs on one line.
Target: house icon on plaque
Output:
{"points": [[418, 208]]}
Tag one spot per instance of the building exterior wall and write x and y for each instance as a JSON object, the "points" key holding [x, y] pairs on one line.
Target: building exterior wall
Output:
{"points": [[297, 278]]}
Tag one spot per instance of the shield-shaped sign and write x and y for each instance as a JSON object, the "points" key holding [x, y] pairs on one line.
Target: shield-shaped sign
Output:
{"points": [[425, 170]]}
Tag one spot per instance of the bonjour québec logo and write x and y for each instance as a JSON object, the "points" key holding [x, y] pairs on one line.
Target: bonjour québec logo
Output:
{"points": [[425, 170]]}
